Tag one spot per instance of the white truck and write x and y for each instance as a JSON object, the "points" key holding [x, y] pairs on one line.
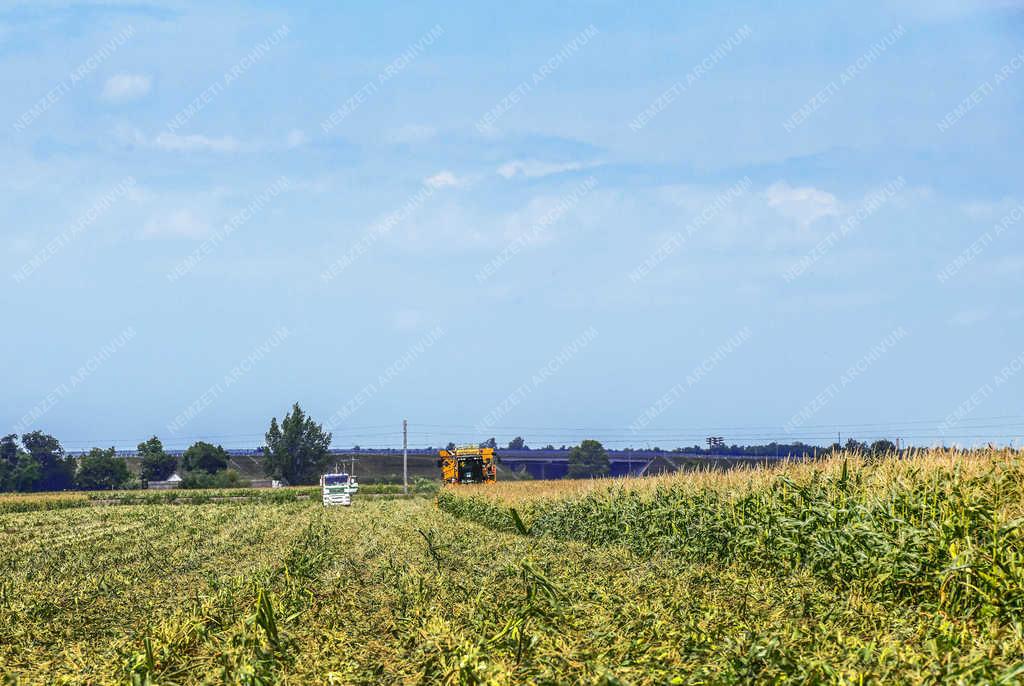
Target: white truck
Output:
{"points": [[338, 489]]}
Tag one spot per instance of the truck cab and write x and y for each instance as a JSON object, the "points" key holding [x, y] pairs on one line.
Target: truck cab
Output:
{"points": [[337, 489]]}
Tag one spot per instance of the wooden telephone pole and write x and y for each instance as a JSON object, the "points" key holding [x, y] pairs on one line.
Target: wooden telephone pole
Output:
{"points": [[405, 456]]}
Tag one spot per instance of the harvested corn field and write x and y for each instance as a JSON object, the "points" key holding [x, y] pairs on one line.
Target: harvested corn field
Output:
{"points": [[841, 572]]}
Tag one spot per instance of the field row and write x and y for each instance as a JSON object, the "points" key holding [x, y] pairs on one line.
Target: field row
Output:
{"points": [[31, 502]]}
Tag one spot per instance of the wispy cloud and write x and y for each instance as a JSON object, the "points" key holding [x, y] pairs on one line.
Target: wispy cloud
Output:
{"points": [[125, 87], [535, 168], [444, 179], [56, 244], [971, 317], [873, 202], [193, 142], [410, 133], [805, 205], [536, 231], [77, 75], [183, 223], [296, 138]]}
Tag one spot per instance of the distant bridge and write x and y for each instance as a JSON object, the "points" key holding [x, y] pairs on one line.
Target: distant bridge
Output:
{"points": [[554, 464]]}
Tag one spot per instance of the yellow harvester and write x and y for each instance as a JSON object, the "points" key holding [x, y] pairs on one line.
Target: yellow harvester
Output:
{"points": [[468, 465]]}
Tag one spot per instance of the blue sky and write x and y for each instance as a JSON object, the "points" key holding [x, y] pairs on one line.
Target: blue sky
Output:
{"points": [[338, 263]]}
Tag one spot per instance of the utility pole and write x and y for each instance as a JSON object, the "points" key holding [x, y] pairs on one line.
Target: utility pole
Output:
{"points": [[405, 456]]}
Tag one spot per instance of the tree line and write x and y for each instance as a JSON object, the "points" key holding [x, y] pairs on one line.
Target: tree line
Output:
{"points": [[296, 452], [795, 449], [38, 462]]}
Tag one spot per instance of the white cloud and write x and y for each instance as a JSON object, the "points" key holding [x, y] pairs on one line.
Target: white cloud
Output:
{"points": [[535, 168], [410, 133], [178, 224], [124, 87], [130, 136], [547, 217], [175, 142], [971, 317], [450, 227], [978, 315], [444, 179], [805, 205], [296, 138]]}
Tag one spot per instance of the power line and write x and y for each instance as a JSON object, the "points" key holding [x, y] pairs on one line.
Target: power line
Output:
{"points": [[892, 424], [440, 434]]}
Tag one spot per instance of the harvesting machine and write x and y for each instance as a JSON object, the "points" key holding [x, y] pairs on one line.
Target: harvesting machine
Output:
{"points": [[468, 465]]}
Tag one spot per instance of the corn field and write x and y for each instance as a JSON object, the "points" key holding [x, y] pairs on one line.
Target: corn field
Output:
{"points": [[900, 571], [29, 502]]}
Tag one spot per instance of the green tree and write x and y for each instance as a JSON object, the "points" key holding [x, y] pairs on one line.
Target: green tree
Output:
{"points": [[588, 459], [297, 449], [101, 470], [517, 443], [10, 453], [26, 475], [882, 447], [55, 472], [204, 457], [9, 449], [156, 464], [450, 447], [489, 443], [855, 446]]}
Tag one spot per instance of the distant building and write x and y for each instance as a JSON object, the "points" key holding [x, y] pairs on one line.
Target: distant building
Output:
{"points": [[173, 481]]}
